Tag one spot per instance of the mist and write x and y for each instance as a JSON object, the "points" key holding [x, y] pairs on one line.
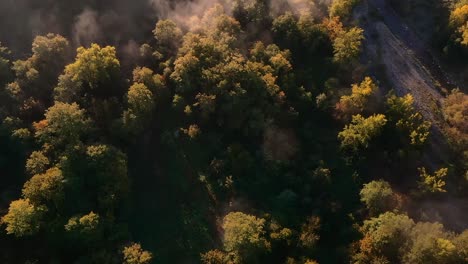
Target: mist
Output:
{"points": [[82, 22], [109, 22]]}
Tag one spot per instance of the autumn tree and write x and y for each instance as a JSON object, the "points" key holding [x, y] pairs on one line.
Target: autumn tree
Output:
{"points": [[309, 235], [383, 238], [359, 100], [93, 73], [395, 238], [5, 71], [432, 183], [23, 218], [168, 37], [64, 124], [455, 111], [134, 254], [458, 21], [214, 256], [253, 15], [342, 8], [45, 188], [140, 106], [244, 234], [407, 120], [85, 224], [37, 75], [461, 244], [347, 45], [429, 243], [37, 162], [215, 83], [361, 131]]}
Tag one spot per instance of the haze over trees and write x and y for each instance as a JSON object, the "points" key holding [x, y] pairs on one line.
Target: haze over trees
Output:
{"points": [[244, 131]]}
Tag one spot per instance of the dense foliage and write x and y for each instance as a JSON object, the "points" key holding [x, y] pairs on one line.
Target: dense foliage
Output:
{"points": [[253, 132]]}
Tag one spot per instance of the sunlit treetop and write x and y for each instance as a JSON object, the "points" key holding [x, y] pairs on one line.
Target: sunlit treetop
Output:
{"points": [[95, 69], [23, 218], [342, 8], [94, 65], [44, 188], [83, 224], [361, 131], [360, 97], [242, 230], [134, 254], [63, 124]]}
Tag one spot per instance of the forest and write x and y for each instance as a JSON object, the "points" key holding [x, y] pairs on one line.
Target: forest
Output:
{"points": [[234, 131]]}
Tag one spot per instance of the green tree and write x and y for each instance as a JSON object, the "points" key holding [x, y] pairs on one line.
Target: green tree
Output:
{"points": [[286, 31], [253, 13], [168, 37], [23, 218], [377, 196], [361, 131], [134, 254], [108, 178], [342, 8]]}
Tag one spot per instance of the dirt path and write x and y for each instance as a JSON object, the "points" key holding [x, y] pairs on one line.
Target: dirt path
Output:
{"points": [[413, 41], [408, 66], [402, 61]]}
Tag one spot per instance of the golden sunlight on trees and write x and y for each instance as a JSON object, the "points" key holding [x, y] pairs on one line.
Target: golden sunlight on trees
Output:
{"points": [[64, 124], [37, 162], [359, 100], [361, 131], [244, 235], [459, 22], [93, 70], [342, 8], [23, 218], [434, 183], [45, 188], [83, 224], [456, 111], [401, 112], [134, 254], [140, 107], [347, 46]]}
